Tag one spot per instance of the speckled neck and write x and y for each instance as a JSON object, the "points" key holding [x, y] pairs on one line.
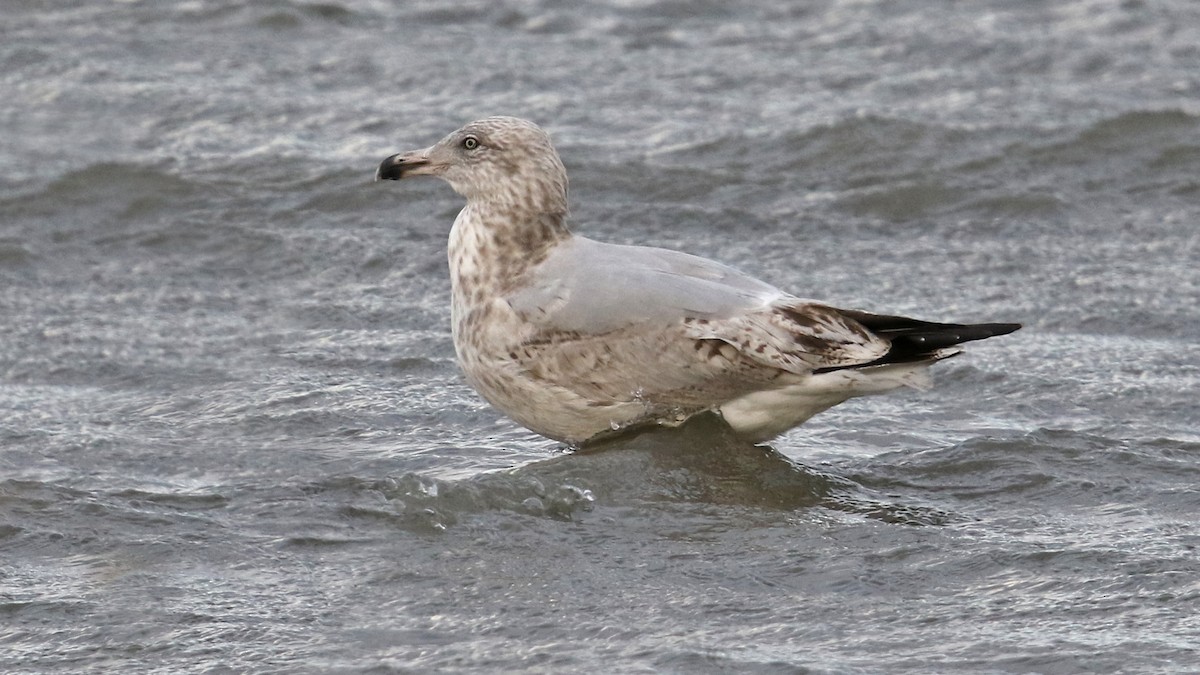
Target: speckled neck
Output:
{"points": [[493, 244]]}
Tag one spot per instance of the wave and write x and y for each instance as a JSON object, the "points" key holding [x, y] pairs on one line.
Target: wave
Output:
{"points": [[701, 464], [1046, 465], [698, 467], [901, 170], [107, 190]]}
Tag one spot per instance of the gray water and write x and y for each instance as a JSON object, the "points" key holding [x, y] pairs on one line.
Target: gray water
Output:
{"points": [[233, 437]]}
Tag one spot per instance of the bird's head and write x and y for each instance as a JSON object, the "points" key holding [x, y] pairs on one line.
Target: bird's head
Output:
{"points": [[503, 160]]}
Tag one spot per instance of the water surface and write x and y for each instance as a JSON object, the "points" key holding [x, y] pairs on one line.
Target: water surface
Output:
{"points": [[234, 438]]}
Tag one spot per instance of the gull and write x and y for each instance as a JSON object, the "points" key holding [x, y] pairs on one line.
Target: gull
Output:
{"points": [[576, 339]]}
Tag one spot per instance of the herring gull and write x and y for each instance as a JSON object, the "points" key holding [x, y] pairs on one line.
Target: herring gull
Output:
{"points": [[575, 338]]}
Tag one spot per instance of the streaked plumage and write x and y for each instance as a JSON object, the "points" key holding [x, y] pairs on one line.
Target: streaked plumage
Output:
{"points": [[573, 338]]}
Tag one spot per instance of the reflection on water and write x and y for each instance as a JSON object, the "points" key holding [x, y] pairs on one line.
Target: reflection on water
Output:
{"points": [[702, 461]]}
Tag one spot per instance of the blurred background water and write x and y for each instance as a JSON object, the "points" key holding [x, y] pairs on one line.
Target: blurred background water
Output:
{"points": [[233, 437]]}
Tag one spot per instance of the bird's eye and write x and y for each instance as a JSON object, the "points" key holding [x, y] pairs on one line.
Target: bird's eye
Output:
{"points": [[470, 143]]}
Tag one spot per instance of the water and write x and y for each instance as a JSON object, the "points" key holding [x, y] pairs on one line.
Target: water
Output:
{"points": [[234, 438]]}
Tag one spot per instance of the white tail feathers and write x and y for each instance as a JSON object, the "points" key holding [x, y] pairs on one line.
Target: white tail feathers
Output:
{"points": [[762, 415]]}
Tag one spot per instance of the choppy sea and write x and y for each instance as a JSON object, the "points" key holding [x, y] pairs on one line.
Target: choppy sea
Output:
{"points": [[233, 437]]}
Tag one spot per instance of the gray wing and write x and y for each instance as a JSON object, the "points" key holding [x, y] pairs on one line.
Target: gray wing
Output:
{"points": [[590, 287], [587, 288]]}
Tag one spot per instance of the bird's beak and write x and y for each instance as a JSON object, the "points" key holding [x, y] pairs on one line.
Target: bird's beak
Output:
{"points": [[405, 164]]}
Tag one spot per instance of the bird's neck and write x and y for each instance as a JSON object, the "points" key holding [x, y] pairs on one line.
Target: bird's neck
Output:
{"points": [[493, 245]]}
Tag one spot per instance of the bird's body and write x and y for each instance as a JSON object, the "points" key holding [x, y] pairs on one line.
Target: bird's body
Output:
{"points": [[574, 338]]}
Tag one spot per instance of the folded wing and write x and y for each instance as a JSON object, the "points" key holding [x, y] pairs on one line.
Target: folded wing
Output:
{"points": [[586, 289]]}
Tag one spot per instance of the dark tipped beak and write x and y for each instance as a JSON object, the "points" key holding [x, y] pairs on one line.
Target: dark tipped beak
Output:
{"points": [[396, 166]]}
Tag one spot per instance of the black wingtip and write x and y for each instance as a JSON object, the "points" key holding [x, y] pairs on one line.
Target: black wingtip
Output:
{"points": [[936, 336], [916, 340], [997, 329]]}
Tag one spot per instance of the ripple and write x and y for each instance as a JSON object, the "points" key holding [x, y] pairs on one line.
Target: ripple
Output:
{"points": [[701, 463], [109, 191]]}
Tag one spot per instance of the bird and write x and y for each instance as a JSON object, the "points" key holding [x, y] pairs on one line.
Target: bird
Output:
{"points": [[578, 339]]}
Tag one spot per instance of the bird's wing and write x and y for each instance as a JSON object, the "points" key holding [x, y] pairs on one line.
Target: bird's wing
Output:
{"points": [[587, 288], [590, 287]]}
